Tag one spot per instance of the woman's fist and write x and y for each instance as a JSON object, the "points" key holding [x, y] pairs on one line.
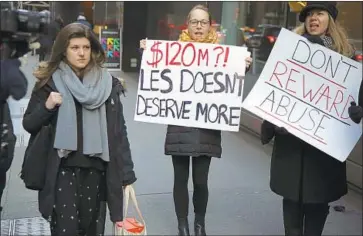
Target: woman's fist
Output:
{"points": [[54, 99]]}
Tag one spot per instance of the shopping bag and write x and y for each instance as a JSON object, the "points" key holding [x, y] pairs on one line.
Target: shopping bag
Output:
{"points": [[130, 226]]}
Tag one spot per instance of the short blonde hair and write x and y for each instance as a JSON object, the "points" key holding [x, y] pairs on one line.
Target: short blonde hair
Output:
{"points": [[338, 34]]}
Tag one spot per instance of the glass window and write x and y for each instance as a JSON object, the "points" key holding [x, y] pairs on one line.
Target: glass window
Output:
{"points": [[108, 13], [350, 17]]}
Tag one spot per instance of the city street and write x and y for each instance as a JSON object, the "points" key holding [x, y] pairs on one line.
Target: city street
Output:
{"points": [[240, 202]]}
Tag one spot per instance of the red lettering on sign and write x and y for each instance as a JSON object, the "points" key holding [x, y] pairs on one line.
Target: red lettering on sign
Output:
{"points": [[172, 61], [189, 45], [276, 73], [325, 94], [187, 54], [337, 101], [305, 94], [289, 79]]}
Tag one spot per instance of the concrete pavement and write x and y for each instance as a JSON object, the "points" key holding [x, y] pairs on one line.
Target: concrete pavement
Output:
{"points": [[240, 202]]}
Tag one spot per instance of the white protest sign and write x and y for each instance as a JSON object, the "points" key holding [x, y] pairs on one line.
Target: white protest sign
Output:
{"points": [[307, 89], [17, 110], [191, 84], [22, 137]]}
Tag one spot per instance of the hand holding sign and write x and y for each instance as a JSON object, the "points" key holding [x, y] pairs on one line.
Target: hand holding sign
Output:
{"points": [[248, 62], [143, 44], [355, 112], [308, 88]]}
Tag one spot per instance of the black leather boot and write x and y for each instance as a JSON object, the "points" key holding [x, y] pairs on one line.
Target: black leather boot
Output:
{"points": [[199, 225], [183, 227]]}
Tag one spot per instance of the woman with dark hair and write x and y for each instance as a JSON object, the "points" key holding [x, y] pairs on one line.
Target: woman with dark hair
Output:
{"points": [[90, 159], [307, 178], [182, 143]]}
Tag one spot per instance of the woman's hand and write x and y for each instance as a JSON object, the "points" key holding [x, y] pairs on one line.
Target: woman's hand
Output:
{"points": [[248, 61], [355, 112], [119, 224], [143, 44], [54, 99]]}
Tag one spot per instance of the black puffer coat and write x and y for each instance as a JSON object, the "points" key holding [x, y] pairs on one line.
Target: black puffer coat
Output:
{"points": [[119, 171], [187, 141]]}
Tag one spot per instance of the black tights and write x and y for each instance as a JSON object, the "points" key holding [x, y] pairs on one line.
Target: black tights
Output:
{"points": [[308, 219], [200, 170]]}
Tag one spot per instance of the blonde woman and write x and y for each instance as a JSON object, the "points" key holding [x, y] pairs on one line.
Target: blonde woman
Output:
{"points": [[306, 178], [199, 145]]}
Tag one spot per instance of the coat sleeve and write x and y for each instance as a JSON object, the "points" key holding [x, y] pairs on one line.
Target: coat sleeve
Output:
{"points": [[7, 154], [267, 132], [36, 114], [128, 165], [12, 80]]}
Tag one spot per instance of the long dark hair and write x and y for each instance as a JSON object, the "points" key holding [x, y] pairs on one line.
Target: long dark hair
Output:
{"points": [[75, 30]]}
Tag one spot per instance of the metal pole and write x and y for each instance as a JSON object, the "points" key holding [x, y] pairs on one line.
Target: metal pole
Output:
{"points": [[254, 61], [286, 14]]}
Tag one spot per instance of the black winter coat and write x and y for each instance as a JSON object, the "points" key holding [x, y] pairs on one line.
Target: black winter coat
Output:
{"points": [[187, 141], [300, 171], [119, 170]]}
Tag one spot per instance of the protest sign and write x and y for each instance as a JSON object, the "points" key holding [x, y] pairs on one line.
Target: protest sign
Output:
{"points": [[17, 110], [110, 41], [307, 89], [191, 84]]}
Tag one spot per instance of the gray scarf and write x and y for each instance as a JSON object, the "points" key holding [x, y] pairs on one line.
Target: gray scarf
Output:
{"points": [[92, 94]]}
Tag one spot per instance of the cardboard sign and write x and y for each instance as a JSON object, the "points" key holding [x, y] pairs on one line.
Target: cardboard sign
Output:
{"points": [[191, 84], [307, 89]]}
